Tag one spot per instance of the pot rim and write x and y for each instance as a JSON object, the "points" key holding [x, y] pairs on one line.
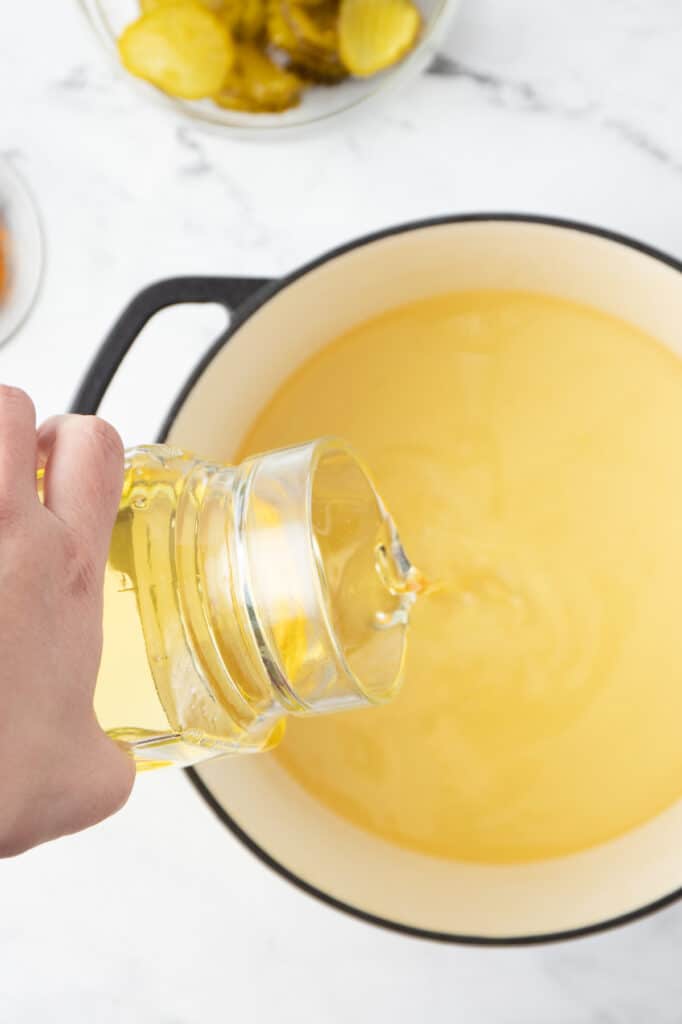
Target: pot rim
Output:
{"points": [[239, 318]]}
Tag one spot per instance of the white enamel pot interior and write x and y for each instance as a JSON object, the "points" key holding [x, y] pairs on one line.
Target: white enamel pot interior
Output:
{"points": [[256, 799]]}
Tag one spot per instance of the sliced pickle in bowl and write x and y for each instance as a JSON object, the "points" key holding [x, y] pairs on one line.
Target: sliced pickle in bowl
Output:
{"points": [[374, 36], [258, 56], [315, 28], [258, 85], [151, 5], [181, 48], [307, 35], [246, 19]]}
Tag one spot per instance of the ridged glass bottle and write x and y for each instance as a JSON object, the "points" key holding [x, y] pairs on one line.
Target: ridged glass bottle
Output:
{"points": [[237, 595]]}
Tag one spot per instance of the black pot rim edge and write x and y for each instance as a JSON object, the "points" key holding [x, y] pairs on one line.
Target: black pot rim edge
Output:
{"points": [[240, 317]]}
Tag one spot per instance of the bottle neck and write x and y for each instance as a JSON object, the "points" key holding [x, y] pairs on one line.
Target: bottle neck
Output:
{"points": [[212, 595], [245, 590], [319, 585]]}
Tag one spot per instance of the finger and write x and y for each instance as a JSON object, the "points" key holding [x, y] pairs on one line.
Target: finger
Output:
{"points": [[106, 777], [83, 476], [47, 436], [94, 781], [17, 451]]}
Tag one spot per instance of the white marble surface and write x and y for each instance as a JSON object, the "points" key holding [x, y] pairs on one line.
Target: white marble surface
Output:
{"points": [[573, 109]]}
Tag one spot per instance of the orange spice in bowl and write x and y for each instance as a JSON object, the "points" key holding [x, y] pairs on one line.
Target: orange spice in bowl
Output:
{"points": [[21, 251], [4, 259]]}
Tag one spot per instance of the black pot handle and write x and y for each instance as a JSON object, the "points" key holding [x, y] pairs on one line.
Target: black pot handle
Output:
{"points": [[229, 292]]}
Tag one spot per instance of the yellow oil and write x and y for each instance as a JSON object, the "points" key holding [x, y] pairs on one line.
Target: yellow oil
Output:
{"points": [[529, 449], [162, 687]]}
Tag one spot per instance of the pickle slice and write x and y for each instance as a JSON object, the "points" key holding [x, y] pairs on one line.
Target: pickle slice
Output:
{"points": [[245, 18], [375, 34], [151, 5], [308, 37], [258, 85], [181, 48], [280, 33], [318, 72], [315, 27]]}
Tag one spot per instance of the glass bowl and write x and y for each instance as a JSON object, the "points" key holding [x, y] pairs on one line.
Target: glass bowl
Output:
{"points": [[319, 104], [21, 241]]}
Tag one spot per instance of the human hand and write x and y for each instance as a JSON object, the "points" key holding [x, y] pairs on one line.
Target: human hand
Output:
{"points": [[59, 772]]}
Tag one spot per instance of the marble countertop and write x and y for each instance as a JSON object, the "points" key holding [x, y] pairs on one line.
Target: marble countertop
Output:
{"points": [[573, 109]]}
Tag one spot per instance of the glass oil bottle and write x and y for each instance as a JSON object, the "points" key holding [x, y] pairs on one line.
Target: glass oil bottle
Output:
{"points": [[235, 596]]}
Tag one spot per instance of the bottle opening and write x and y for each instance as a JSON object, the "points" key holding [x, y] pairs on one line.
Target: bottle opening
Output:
{"points": [[326, 581], [368, 584]]}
